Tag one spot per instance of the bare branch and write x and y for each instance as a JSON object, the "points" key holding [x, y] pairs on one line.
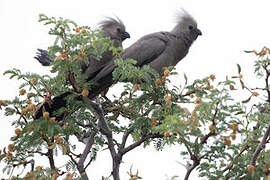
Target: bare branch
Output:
{"points": [[261, 146], [267, 82], [138, 143], [84, 155], [196, 162], [124, 139], [37, 152]]}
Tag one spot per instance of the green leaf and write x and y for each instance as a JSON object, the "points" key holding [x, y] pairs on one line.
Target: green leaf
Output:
{"points": [[239, 68], [186, 79]]}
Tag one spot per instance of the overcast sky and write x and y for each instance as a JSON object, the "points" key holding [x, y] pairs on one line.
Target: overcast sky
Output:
{"points": [[228, 27]]}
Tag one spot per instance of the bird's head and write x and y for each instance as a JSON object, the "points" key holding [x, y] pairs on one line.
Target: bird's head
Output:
{"points": [[187, 25], [114, 28]]}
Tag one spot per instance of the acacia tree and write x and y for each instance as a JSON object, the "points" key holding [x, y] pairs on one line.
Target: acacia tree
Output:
{"points": [[221, 137]]}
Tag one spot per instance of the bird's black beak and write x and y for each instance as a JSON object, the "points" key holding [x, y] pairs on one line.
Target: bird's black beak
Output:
{"points": [[125, 35], [199, 32]]}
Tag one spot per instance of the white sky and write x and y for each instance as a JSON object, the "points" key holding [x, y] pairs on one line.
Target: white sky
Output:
{"points": [[228, 28]]}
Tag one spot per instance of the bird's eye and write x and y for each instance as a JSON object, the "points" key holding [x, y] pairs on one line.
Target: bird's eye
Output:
{"points": [[118, 30], [190, 27]]}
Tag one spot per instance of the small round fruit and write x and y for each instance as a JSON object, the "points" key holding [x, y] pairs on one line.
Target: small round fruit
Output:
{"points": [[166, 72], [85, 92], [228, 142], [212, 77], [55, 176], [240, 76], [154, 121], [198, 100], [166, 133], [211, 127], [83, 31], [9, 155], [233, 136], [136, 87], [52, 120], [77, 29], [22, 91], [46, 115], [18, 131], [33, 80], [38, 168], [11, 147], [250, 168]]}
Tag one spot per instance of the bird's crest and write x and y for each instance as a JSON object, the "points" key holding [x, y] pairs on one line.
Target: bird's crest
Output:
{"points": [[108, 22], [183, 16]]}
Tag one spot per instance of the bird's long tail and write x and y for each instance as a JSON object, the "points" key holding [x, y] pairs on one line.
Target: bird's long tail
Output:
{"points": [[43, 57], [60, 101]]}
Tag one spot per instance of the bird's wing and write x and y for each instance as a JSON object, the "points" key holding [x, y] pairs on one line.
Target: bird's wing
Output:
{"points": [[147, 49], [144, 51]]}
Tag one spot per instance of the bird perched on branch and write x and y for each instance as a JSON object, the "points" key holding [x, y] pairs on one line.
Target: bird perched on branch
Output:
{"points": [[113, 28], [159, 50]]}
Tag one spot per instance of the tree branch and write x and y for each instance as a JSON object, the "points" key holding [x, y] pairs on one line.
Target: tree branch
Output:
{"points": [[235, 157], [86, 151], [105, 130], [211, 133], [196, 162], [124, 139], [261, 146], [51, 160], [267, 82], [138, 143]]}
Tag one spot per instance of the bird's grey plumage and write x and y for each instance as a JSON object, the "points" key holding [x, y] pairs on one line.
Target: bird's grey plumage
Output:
{"points": [[159, 50], [116, 30], [110, 27]]}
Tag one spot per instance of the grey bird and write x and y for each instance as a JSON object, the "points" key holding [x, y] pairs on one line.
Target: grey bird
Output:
{"points": [[113, 28], [158, 50]]}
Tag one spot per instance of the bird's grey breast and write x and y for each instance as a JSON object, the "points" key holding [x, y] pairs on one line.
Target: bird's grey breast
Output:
{"points": [[179, 47]]}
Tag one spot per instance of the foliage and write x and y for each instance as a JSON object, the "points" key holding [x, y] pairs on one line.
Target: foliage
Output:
{"points": [[223, 138]]}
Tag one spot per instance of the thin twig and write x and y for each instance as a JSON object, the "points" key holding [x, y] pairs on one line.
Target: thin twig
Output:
{"points": [[235, 157]]}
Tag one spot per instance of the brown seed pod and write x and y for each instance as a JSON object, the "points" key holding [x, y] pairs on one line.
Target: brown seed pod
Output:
{"points": [[38, 168], [227, 141], [250, 168], [18, 131], [33, 80], [211, 127], [166, 72], [212, 77], [9, 155], [46, 115], [85, 92], [52, 120], [136, 87], [166, 133], [11, 147], [154, 121], [22, 91], [83, 31], [233, 136]]}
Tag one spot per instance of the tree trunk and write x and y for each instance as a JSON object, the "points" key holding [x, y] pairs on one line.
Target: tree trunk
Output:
{"points": [[116, 165]]}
